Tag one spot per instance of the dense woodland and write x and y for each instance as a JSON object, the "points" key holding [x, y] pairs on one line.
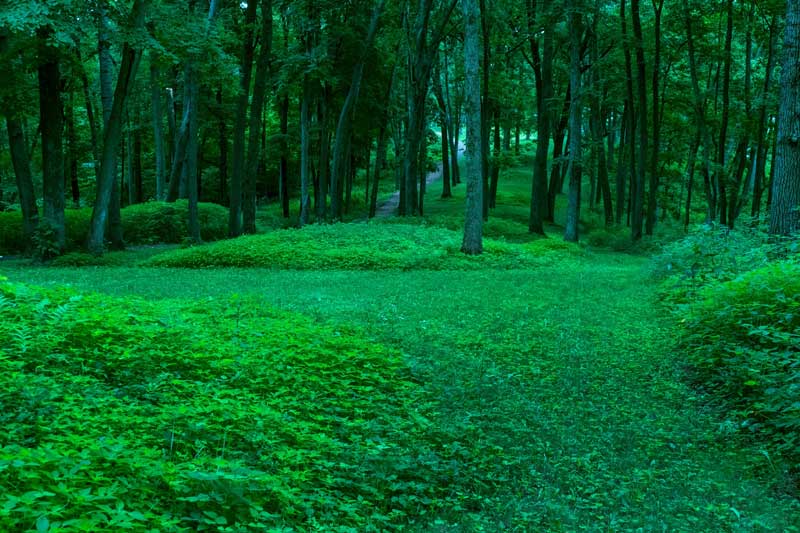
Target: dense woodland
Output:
{"points": [[410, 265], [665, 112]]}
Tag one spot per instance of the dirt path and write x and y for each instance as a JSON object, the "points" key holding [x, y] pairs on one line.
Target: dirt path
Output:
{"points": [[389, 207]]}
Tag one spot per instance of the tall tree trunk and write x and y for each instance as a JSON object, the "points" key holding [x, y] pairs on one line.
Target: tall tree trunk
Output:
{"points": [[283, 171], [575, 124], [193, 94], [497, 148], [652, 197], [22, 170], [305, 154], [256, 107], [113, 133], [473, 225], [71, 164], [543, 74], [321, 183], [641, 83], [421, 57], [240, 122], [555, 186], [631, 105], [487, 108], [699, 112], [90, 118], [344, 128], [222, 131], [597, 123], [52, 127], [158, 129], [620, 172], [785, 209], [761, 140], [114, 216], [721, 174]]}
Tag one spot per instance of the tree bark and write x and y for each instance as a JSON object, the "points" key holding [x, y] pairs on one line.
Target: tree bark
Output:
{"points": [[652, 197], [641, 83], [240, 122], [720, 172], [112, 135], [472, 243], [571, 232], [52, 127], [256, 106], [158, 130], [785, 209], [543, 74], [22, 170], [114, 216]]}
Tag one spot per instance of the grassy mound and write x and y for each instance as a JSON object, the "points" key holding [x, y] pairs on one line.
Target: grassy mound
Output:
{"points": [[743, 341], [147, 223], [117, 414], [352, 247]]}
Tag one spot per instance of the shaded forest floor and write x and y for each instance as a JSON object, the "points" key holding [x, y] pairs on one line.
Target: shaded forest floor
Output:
{"points": [[563, 380]]}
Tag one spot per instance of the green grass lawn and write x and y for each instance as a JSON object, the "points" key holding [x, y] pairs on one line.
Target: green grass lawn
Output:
{"points": [[547, 397]]}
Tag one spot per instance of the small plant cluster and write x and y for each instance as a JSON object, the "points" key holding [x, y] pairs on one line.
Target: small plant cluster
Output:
{"points": [[206, 416], [737, 295], [352, 247], [147, 223]]}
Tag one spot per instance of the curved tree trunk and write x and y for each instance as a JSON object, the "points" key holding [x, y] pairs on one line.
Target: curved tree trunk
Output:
{"points": [[113, 134]]}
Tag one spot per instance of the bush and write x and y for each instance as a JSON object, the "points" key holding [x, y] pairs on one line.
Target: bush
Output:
{"points": [[742, 339], [211, 416], [167, 223], [148, 223], [350, 247]]}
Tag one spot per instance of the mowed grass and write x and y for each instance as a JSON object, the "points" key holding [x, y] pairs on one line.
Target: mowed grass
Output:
{"points": [[555, 388]]}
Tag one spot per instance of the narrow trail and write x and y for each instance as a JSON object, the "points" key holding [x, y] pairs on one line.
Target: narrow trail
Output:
{"points": [[389, 207]]}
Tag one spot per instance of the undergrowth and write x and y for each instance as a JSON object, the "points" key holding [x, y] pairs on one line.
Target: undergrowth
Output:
{"points": [[737, 296], [206, 416], [355, 247]]}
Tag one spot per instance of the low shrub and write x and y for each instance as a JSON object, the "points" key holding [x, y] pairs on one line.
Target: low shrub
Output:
{"points": [[349, 247], [712, 252], [167, 223], [148, 223], [742, 339], [118, 414]]}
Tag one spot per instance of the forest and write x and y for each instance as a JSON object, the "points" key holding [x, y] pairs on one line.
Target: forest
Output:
{"points": [[407, 265]]}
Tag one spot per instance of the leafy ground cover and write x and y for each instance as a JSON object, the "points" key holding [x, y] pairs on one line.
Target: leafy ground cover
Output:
{"points": [[205, 415], [558, 392], [358, 247], [551, 396]]}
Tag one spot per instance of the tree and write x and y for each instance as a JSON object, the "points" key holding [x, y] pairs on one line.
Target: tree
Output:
{"points": [[113, 133], [785, 211], [575, 122], [52, 127], [473, 225]]}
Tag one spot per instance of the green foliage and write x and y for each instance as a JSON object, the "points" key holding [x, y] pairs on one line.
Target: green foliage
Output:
{"points": [[163, 222], [45, 241], [206, 416], [349, 247], [148, 223], [709, 254], [742, 338]]}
